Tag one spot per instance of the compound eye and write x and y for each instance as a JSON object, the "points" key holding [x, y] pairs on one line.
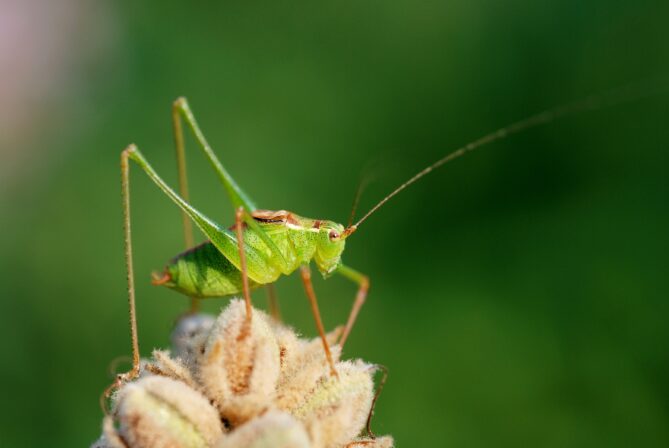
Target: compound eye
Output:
{"points": [[333, 235]]}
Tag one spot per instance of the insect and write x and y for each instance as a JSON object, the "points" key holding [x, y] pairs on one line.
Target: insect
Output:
{"points": [[263, 245]]}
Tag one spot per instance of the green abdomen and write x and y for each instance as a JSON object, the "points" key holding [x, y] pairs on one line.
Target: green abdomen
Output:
{"points": [[204, 272]]}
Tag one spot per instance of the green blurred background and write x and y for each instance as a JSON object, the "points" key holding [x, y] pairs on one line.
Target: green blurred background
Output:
{"points": [[519, 295]]}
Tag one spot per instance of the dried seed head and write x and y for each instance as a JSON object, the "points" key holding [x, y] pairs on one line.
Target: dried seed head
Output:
{"points": [[160, 412], [272, 430], [337, 408], [240, 366], [271, 388], [189, 336]]}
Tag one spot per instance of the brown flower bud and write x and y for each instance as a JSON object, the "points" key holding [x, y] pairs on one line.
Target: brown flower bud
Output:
{"points": [[164, 365], [240, 365], [160, 412], [274, 429], [336, 410], [189, 336], [294, 350], [301, 376]]}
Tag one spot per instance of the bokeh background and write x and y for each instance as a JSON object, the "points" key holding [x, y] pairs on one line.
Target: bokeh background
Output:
{"points": [[519, 295]]}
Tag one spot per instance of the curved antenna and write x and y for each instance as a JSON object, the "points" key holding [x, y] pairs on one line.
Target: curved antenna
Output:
{"points": [[364, 182], [606, 99], [356, 201]]}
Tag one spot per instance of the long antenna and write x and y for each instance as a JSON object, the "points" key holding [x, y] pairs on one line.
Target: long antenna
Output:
{"points": [[356, 201], [365, 180], [605, 99]]}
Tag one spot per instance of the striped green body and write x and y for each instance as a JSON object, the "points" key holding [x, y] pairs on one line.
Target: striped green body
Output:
{"points": [[204, 271]]}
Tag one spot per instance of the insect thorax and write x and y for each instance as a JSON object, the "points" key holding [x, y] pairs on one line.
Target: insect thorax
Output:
{"points": [[203, 271], [302, 240]]}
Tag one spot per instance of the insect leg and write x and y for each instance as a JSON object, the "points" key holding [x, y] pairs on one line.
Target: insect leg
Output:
{"points": [[368, 425], [260, 269], [242, 257], [382, 383], [180, 108], [305, 273], [363, 282], [183, 187], [273, 300], [134, 372], [179, 146], [236, 194], [125, 192]]}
